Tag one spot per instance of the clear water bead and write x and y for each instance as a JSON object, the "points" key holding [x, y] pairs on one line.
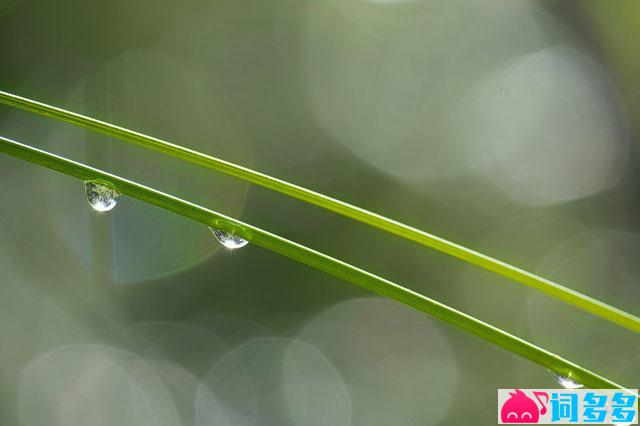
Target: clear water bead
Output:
{"points": [[228, 240], [102, 198], [566, 381]]}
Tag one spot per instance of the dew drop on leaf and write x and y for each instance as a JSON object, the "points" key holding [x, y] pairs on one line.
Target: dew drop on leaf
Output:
{"points": [[228, 240], [566, 381], [101, 197]]}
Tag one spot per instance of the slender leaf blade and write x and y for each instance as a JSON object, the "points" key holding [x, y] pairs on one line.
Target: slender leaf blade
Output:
{"points": [[311, 258], [551, 288]]}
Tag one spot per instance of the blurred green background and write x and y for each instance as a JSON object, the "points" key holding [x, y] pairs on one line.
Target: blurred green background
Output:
{"points": [[506, 126]]}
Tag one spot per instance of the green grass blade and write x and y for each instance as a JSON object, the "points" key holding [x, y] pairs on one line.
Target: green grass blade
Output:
{"points": [[549, 287], [312, 258]]}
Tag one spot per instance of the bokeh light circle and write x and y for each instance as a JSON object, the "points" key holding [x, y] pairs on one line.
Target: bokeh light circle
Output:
{"points": [[172, 98], [81, 385], [397, 365]]}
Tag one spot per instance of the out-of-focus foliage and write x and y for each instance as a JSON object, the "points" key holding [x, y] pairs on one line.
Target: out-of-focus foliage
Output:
{"points": [[508, 126]]}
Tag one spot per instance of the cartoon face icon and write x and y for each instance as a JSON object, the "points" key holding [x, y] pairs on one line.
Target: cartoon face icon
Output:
{"points": [[519, 408]]}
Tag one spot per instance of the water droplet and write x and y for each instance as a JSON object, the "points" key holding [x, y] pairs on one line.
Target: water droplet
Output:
{"points": [[228, 240], [101, 197], [566, 381]]}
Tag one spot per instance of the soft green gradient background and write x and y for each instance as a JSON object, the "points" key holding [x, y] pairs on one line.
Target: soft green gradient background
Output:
{"points": [[507, 126]]}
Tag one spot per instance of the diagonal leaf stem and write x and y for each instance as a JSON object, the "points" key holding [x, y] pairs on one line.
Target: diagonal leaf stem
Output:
{"points": [[311, 258], [565, 294]]}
